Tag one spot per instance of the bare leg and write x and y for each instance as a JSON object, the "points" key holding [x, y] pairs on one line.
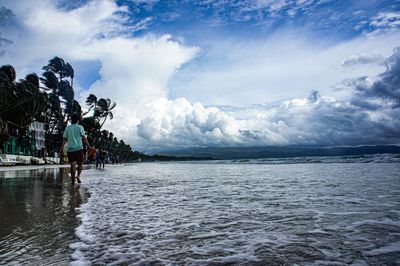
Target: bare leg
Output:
{"points": [[73, 171], [80, 167]]}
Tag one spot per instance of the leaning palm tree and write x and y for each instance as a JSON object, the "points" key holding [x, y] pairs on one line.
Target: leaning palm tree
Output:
{"points": [[50, 81], [69, 71], [9, 71], [73, 107], [20, 103], [58, 66], [91, 101], [61, 90], [66, 95], [103, 110], [40, 98], [61, 103]]}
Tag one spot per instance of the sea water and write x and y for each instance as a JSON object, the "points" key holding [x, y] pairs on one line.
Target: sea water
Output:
{"points": [[257, 212]]}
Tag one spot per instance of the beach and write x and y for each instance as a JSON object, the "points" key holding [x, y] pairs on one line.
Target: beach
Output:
{"points": [[205, 213]]}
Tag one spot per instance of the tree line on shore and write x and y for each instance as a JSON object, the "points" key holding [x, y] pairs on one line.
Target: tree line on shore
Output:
{"points": [[50, 99]]}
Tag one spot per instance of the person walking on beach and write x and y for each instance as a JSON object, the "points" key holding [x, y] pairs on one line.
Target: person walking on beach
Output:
{"points": [[98, 158], [74, 134]]}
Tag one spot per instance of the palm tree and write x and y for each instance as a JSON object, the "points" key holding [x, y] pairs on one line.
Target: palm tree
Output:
{"points": [[61, 103], [57, 65], [90, 124], [21, 103], [91, 101], [61, 96], [50, 81], [70, 73], [103, 110], [9, 71]]}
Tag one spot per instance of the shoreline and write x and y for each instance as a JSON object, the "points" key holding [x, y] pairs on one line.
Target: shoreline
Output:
{"points": [[31, 167]]}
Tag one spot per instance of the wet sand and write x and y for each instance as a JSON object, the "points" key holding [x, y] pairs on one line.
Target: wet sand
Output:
{"points": [[29, 167], [38, 215]]}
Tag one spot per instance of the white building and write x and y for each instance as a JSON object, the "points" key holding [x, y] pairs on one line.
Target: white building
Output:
{"points": [[39, 134]]}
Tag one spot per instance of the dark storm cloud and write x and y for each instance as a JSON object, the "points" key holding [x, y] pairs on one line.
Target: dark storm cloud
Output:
{"points": [[370, 117], [386, 90]]}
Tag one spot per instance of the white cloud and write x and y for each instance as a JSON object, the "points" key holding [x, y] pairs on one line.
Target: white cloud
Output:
{"points": [[181, 123], [45, 31], [386, 20], [147, 2], [272, 5], [369, 117], [244, 72], [300, 121], [362, 59]]}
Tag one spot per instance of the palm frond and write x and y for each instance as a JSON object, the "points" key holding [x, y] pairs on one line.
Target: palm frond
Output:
{"points": [[9, 70]]}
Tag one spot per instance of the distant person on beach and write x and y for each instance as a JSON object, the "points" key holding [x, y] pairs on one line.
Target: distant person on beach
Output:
{"points": [[98, 158], [74, 134], [103, 157]]}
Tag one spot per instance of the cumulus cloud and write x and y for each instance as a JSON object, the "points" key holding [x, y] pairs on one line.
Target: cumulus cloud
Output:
{"points": [[368, 117], [181, 123], [294, 122]]}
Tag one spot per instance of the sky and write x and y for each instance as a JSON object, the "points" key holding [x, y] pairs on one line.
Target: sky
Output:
{"points": [[222, 73]]}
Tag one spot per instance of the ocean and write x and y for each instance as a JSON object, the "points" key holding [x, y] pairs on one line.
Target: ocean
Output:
{"points": [[301, 211]]}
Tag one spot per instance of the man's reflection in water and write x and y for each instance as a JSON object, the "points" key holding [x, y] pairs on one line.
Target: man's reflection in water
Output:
{"points": [[75, 197]]}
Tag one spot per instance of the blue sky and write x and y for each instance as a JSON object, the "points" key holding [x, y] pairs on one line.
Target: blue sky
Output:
{"points": [[222, 73], [255, 19]]}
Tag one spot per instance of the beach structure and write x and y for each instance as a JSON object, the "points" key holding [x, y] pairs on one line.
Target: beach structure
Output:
{"points": [[38, 132], [27, 150]]}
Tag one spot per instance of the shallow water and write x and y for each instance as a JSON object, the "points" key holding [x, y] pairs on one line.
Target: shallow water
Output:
{"points": [[247, 214], [37, 217]]}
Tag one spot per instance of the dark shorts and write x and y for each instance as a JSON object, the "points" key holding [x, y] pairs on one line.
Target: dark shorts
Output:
{"points": [[75, 156]]}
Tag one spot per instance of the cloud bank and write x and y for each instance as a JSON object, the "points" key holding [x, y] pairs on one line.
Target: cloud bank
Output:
{"points": [[369, 116]]}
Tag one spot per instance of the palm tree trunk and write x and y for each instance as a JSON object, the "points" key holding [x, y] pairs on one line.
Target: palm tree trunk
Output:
{"points": [[103, 122]]}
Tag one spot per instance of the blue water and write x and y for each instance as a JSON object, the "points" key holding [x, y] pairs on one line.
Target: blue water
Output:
{"points": [[240, 212]]}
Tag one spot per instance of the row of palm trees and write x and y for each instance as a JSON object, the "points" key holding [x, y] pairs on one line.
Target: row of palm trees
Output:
{"points": [[50, 99]]}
